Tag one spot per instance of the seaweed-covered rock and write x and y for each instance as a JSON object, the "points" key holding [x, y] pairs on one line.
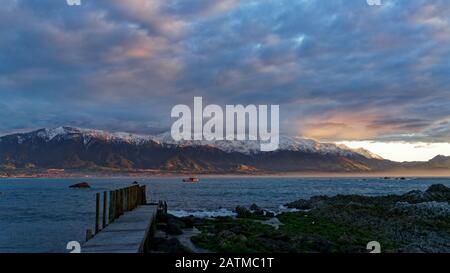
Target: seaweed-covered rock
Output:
{"points": [[269, 214], [254, 207], [438, 188], [418, 221], [174, 225], [226, 234], [254, 212], [242, 212], [188, 221], [414, 195], [300, 204], [257, 211], [173, 229], [425, 209], [438, 192]]}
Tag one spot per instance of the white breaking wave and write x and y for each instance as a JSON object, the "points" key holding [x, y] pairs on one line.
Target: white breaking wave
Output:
{"points": [[223, 212], [202, 213]]}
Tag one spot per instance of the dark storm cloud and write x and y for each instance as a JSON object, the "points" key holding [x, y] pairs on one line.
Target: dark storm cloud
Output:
{"points": [[378, 72]]}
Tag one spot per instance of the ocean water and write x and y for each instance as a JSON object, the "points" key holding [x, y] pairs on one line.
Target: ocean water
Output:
{"points": [[42, 215]]}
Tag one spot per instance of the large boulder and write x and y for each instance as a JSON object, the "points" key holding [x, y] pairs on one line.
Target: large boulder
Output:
{"points": [[438, 188], [438, 192]]}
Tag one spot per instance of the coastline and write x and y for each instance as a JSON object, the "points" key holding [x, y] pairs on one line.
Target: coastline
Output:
{"points": [[161, 174], [320, 224]]}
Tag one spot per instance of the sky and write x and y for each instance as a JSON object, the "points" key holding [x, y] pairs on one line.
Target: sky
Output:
{"points": [[341, 70]]}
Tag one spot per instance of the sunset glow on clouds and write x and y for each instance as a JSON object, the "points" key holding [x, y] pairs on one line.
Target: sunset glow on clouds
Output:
{"points": [[340, 70]]}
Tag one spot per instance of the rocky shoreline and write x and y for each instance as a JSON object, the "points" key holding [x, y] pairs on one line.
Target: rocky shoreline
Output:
{"points": [[415, 222]]}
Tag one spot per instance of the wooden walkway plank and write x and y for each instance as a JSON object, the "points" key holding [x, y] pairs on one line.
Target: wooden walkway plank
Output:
{"points": [[127, 234]]}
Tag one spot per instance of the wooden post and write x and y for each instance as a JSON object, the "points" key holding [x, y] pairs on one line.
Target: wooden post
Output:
{"points": [[138, 195], [111, 207], [115, 204], [105, 199], [121, 201], [133, 197], [118, 203], [144, 195], [130, 202], [127, 196], [135, 193], [133, 200], [127, 203], [97, 212], [159, 208], [88, 234], [137, 198], [129, 199], [125, 200], [130, 196]]}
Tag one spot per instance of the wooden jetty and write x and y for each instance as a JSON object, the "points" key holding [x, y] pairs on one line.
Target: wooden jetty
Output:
{"points": [[127, 222]]}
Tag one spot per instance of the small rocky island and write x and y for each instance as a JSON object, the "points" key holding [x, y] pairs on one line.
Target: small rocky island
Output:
{"points": [[82, 185], [417, 221]]}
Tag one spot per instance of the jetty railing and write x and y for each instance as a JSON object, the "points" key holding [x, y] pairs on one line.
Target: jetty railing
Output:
{"points": [[115, 204]]}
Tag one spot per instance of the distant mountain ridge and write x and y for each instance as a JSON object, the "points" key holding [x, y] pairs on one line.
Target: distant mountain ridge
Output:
{"points": [[77, 148]]}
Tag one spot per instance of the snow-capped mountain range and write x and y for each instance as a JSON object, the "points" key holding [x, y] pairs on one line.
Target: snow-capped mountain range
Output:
{"points": [[248, 147], [80, 149]]}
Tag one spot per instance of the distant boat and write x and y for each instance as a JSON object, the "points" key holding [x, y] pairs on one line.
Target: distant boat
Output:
{"points": [[191, 180]]}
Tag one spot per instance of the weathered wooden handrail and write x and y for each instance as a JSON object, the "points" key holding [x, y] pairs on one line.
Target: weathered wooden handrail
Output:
{"points": [[120, 201]]}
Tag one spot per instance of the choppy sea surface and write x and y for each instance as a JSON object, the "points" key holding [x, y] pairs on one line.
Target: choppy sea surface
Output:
{"points": [[42, 215]]}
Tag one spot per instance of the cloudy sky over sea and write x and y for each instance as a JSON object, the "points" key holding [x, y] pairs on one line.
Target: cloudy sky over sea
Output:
{"points": [[341, 70]]}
